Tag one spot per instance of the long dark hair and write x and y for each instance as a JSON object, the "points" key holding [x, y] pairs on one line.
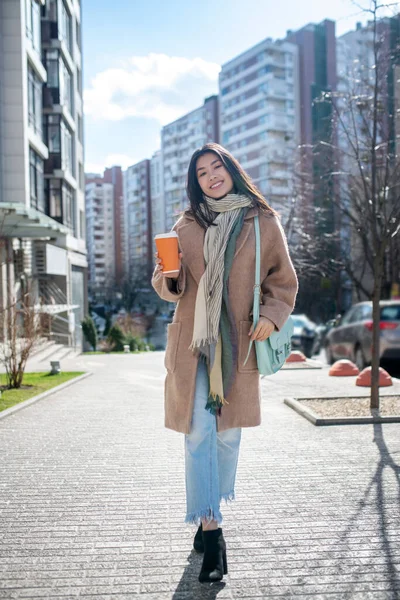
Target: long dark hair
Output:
{"points": [[241, 181]]}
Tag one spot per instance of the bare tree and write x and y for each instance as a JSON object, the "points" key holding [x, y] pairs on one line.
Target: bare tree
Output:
{"points": [[313, 239], [20, 325], [367, 165]]}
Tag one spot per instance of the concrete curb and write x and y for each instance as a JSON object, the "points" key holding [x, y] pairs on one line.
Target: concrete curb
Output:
{"points": [[298, 366], [311, 416], [13, 409]]}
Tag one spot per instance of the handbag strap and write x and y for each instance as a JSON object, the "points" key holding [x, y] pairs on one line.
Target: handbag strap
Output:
{"points": [[257, 286]]}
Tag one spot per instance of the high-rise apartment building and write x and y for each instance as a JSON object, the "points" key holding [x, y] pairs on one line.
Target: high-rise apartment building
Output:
{"points": [[114, 176], [138, 219], [178, 142], [157, 196], [259, 122], [42, 207], [100, 236], [317, 74]]}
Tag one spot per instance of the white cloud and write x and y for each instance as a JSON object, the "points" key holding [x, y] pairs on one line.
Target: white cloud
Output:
{"points": [[156, 86], [111, 160]]}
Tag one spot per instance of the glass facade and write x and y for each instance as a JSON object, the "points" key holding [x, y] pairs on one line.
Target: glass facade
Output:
{"points": [[59, 140], [34, 101], [60, 202], [59, 79], [36, 181], [65, 27], [32, 20]]}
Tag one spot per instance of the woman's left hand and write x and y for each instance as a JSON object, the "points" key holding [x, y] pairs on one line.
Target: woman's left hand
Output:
{"points": [[263, 330]]}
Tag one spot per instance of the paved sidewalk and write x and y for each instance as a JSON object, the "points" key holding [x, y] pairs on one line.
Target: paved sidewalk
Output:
{"points": [[92, 498]]}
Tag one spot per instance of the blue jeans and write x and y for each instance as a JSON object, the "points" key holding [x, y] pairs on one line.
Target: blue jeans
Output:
{"points": [[210, 458]]}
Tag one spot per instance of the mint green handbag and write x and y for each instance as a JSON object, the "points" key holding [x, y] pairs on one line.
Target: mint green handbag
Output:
{"points": [[272, 352]]}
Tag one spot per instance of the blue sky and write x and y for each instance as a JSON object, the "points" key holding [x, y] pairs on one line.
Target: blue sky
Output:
{"points": [[148, 62]]}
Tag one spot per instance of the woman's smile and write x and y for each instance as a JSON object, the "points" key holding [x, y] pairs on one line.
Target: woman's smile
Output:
{"points": [[216, 185]]}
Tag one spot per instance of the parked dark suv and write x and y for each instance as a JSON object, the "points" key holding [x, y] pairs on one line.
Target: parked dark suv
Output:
{"points": [[351, 337]]}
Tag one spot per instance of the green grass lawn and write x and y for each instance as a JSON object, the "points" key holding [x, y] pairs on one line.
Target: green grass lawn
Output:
{"points": [[39, 382]]}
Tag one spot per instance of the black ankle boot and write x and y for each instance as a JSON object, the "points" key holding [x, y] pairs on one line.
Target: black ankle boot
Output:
{"points": [[214, 565], [198, 543]]}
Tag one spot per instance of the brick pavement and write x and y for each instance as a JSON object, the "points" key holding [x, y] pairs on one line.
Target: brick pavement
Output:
{"points": [[92, 498]]}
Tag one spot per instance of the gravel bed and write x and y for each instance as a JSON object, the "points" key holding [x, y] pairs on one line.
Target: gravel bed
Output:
{"points": [[352, 407]]}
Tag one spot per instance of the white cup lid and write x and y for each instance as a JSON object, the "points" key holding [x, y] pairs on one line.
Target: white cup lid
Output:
{"points": [[166, 235]]}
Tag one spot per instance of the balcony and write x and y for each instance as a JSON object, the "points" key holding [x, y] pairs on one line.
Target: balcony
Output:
{"points": [[281, 174], [49, 31], [52, 163], [277, 156], [276, 124], [277, 91], [277, 190], [51, 97]]}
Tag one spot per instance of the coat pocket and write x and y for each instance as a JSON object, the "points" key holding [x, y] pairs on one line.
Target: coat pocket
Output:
{"points": [[244, 341], [173, 335]]}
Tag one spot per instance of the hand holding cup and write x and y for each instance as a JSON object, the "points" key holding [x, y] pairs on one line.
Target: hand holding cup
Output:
{"points": [[160, 267], [168, 256]]}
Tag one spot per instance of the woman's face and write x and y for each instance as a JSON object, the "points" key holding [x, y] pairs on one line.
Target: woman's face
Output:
{"points": [[214, 180]]}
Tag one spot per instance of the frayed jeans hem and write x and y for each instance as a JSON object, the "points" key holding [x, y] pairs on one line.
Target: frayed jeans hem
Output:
{"points": [[209, 515], [229, 497]]}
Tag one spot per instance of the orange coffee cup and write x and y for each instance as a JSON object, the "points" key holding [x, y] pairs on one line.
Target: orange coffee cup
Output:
{"points": [[168, 251]]}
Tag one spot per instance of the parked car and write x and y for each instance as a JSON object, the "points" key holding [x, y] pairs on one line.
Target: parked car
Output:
{"points": [[321, 333], [304, 334], [351, 337]]}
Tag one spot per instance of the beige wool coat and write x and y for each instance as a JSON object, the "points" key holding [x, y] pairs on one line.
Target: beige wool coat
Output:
{"points": [[279, 289]]}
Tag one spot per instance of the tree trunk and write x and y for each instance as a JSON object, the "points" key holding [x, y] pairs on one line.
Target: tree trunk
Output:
{"points": [[376, 318]]}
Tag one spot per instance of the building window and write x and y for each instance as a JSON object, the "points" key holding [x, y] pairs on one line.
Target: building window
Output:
{"points": [[60, 202], [52, 133], [81, 177], [78, 35], [36, 181], [65, 27], [59, 79], [67, 154], [52, 64], [68, 206], [32, 16], [65, 86], [49, 10], [34, 101], [79, 80], [53, 197], [59, 140]]}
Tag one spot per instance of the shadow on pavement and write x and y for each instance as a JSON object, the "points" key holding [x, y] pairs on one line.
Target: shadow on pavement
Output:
{"points": [[189, 587], [375, 494], [386, 461]]}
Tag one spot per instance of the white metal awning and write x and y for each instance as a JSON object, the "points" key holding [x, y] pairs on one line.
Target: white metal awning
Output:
{"points": [[54, 309], [20, 221]]}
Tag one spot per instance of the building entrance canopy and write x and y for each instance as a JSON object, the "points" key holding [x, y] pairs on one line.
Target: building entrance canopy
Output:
{"points": [[19, 221]]}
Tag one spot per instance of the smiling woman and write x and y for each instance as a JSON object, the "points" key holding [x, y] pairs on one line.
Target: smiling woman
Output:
{"points": [[211, 391]]}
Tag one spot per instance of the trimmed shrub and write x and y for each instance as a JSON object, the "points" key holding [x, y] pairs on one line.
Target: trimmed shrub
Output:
{"points": [[89, 331], [142, 346], [116, 338]]}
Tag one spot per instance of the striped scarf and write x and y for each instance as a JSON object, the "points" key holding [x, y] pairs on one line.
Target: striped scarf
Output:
{"points": [[212, 293]]}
